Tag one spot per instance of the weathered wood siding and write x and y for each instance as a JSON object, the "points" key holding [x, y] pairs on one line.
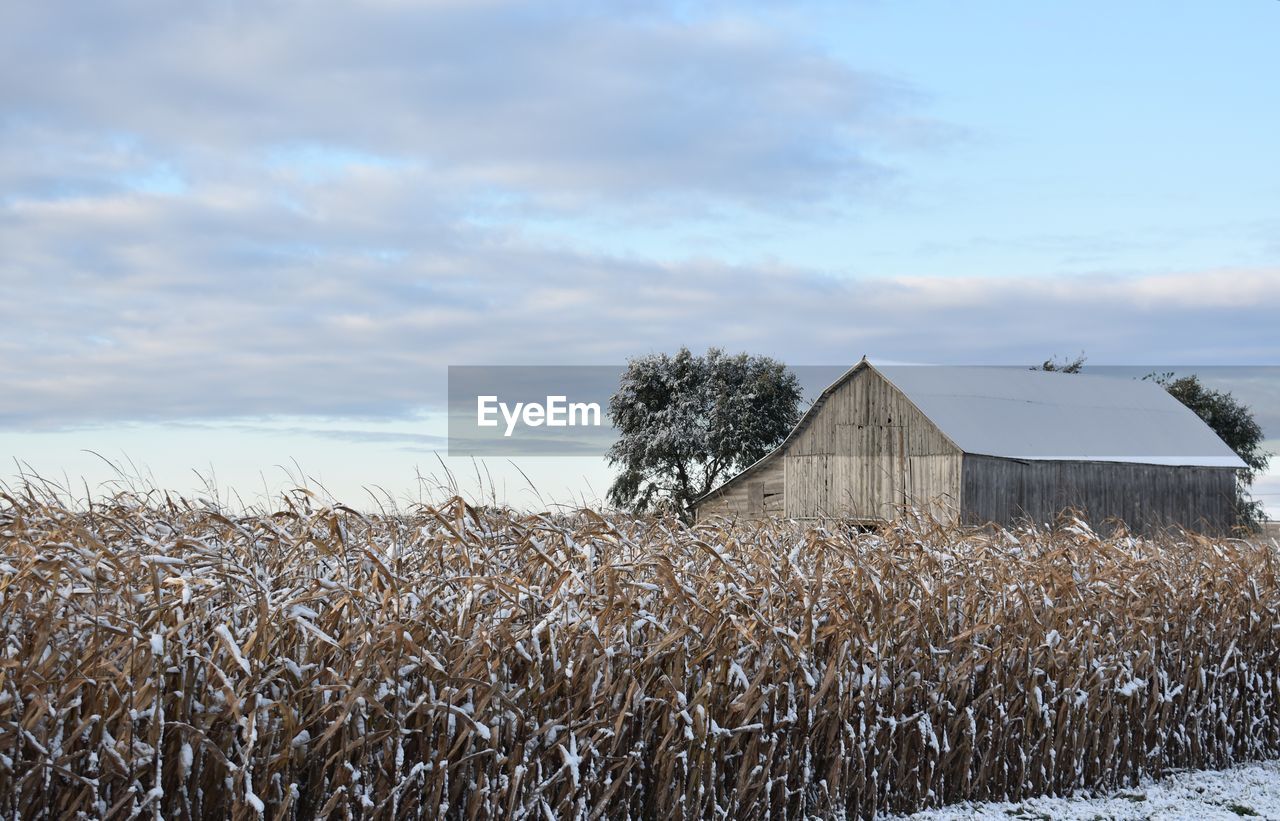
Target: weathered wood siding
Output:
{"points": [[1145, 497], [757, 494], [867, 452]]}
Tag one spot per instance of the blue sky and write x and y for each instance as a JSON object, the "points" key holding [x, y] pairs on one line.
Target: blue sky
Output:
{"points": [[236, 235]]}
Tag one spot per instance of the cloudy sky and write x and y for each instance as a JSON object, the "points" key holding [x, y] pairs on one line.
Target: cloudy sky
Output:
{"points": [[243, 240]]}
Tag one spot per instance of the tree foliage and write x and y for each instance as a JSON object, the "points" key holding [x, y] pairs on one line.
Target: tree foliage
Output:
{"points": [[1065, 366], [687, 421]]}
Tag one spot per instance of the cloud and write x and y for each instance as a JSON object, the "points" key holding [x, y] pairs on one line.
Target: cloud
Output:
{"points": [[550, 105], [404, 438], [226, 301]]}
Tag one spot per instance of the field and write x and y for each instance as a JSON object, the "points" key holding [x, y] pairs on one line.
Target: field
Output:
{"points": [[164, 658]]}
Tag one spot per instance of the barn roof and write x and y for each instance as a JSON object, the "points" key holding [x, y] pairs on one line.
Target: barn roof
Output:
{"points": [[1034, 415]]}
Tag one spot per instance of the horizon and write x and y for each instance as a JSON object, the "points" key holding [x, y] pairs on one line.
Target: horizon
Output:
{"points": [[469, 476]]}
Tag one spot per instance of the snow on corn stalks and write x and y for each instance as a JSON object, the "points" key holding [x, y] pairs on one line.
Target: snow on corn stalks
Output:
{"points": [[167, 659]]}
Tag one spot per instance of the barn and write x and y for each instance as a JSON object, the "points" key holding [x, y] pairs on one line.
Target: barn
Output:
{"points": [[976, 445]]}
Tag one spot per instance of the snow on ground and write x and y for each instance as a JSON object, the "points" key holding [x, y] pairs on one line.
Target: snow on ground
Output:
{"points": [[1248, 791]]}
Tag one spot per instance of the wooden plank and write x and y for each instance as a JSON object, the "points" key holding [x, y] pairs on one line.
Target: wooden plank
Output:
{"points": [[1145, 497]]}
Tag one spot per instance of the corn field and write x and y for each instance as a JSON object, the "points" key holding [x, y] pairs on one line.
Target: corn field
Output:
{"points": [[163, 658]]}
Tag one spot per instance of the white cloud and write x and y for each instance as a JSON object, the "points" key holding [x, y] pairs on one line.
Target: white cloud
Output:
{"points": [[557, 107], [142, 306]]}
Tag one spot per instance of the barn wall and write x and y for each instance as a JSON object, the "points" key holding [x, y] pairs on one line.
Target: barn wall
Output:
{"points": [[866, 452], [757, 494], [1143, 496]]}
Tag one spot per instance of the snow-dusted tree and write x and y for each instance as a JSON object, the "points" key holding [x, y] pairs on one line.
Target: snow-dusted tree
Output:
{"points": [[686, 422], [1065, 366]]}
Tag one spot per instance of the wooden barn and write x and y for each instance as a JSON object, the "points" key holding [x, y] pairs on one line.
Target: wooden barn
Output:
{"points": [[979, 445]]}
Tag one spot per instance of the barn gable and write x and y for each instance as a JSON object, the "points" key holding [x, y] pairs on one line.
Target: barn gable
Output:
{"points": [[861, 451]]}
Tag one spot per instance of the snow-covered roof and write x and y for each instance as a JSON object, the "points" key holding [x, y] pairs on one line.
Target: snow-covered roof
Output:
{"points": [[1024, 414]]}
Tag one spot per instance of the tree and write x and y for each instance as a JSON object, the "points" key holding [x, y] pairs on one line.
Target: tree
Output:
{"points": [[1235, 425], [1065, 366], [686, 421]]}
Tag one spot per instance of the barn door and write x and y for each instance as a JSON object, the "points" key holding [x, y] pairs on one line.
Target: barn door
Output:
{"points": [[755, 497], [897, 496], [904, 468]]}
